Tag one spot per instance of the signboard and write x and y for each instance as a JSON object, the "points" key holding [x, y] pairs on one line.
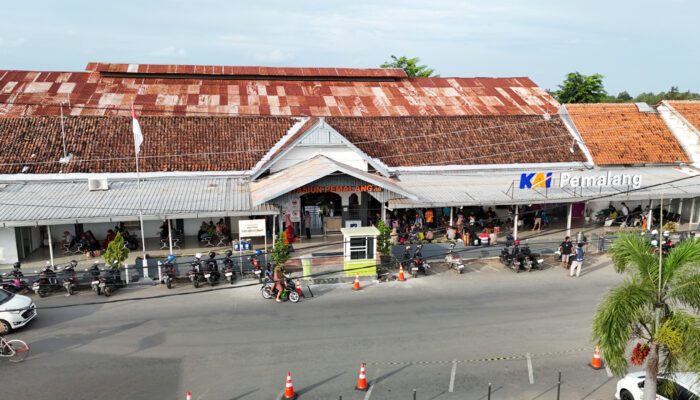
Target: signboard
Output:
{"points": [[337, 189], [251, 227], [544, 180], [293, 208]]}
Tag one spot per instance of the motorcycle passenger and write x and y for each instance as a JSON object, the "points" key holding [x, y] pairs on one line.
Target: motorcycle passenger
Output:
{"points": [[279, 278]]}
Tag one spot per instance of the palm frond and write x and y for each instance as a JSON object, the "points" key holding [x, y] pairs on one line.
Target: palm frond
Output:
{"points": [[631, 252], [686, 255], [624, 307], [684, 355], [684, 289]]}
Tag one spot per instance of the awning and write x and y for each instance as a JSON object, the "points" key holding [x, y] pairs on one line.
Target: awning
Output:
{"points": [[51, 203], [498, 188], [314, 169]]}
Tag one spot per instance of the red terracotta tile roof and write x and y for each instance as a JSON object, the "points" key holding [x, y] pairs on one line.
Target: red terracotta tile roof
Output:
{"points": [[470, 140], [109, 89], [621, 134], [689, 109], [105, 144]]}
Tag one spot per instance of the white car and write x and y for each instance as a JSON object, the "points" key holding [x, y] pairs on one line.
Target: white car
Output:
{"points": [[15, 311], [631, 387]]}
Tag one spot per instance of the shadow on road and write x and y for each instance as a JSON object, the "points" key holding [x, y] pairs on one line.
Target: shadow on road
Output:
{"points": [[317, 384]]}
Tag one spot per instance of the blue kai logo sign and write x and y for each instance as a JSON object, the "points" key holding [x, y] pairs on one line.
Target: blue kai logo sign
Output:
{"points": [[536, 180]]}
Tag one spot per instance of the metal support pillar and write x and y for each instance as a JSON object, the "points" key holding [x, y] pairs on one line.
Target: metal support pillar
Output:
{"points": [[515, 224], [650, 217], [170, 238], [568, 220], [48, 230], [692, 214]]}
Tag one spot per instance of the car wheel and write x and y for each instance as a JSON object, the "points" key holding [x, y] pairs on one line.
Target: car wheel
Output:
{"points": [[5, 327], [626, 395]]}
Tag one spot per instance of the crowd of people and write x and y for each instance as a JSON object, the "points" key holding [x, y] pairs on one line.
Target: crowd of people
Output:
{"points": [[89, 245]]}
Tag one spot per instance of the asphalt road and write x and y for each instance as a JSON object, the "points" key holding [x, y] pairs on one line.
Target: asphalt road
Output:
{"points": [[446, 335]]}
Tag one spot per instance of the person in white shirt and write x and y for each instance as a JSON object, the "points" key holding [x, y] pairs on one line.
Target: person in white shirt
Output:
{"points": [[625, 210]]}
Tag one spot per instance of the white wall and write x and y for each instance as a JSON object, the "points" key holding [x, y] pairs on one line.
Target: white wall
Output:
{"points": [[688, 138], [8, 246], [301, 153]]}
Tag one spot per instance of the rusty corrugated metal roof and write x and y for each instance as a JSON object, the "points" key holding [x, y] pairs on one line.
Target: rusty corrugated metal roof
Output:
{"points": [[109, 89]]}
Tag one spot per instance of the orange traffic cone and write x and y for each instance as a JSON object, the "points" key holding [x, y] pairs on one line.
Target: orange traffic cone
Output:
{"points": [[401, 277], [595, 363], [289, 388], [356, 286], [362, 382], [299, 287], [189, 396]]}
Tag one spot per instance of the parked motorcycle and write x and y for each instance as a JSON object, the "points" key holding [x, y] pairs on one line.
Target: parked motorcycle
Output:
{"points": [[229, 271], [168, 272], [195, 274], [211, 273], [528, 259], [111, 280], [70, 278], [255, 263], [289, 292], [406, 259], [453, 260], [94, 273], [47, 281], [510, 256], [419, 264], [15, 282]]}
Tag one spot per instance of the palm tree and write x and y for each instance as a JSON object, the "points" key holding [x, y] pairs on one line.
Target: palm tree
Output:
{"points": [[657, 311]]}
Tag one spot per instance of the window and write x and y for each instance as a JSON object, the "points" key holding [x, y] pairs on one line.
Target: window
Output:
{"points": [[362, 248]]}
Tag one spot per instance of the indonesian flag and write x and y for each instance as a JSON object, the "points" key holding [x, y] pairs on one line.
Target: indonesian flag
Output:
{"points": [[138, 137]]}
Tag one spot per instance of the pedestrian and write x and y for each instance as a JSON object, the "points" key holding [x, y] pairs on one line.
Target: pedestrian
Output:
{"points": [[566, 248], [307, 224], [538, 221], [578, 261]]}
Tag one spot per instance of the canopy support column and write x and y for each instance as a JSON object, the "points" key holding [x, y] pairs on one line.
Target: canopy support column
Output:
{"points": [[515, 224], [568, 220], [170, 235], [48, 230]]}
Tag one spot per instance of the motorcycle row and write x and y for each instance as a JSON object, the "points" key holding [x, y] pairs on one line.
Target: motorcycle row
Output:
{"points": [[54, 278], [516, 257], [207, 271]]}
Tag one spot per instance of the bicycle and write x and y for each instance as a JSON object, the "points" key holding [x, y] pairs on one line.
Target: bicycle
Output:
{"points": [[16, 350]]}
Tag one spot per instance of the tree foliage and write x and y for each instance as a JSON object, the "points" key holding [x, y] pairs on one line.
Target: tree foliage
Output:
{"points": [[654, 98], [579, 88], [658, 310], [410, 65], [280, 251], [384, 238], [116, 252]]}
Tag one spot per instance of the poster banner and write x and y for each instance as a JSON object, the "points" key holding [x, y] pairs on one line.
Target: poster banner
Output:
{"points": [[251, 227], [293, 208]]}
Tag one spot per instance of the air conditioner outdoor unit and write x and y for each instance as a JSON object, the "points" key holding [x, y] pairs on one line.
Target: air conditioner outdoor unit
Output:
{"points": [[97, 184]]}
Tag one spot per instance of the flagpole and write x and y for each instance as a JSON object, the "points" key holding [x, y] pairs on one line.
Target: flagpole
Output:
{"points": [[138, 191]]}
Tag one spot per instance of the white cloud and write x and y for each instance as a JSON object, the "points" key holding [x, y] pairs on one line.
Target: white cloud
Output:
{"points": [[274, 56], [170, 51]]}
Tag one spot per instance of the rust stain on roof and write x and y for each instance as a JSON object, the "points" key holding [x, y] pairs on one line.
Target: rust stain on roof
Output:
{"points": [[621, 134], [180, 90]]}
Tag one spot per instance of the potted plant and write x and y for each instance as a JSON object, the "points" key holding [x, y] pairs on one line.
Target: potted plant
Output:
{"points": [[384, 243]]}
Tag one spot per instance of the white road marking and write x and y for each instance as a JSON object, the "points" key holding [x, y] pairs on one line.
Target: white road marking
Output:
{"points": [[452, 376], [607, 370], [371, 385], [529, 369]]}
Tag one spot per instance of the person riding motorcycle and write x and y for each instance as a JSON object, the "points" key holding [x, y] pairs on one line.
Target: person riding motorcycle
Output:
{"points": [[279, 279], [269, 276]]}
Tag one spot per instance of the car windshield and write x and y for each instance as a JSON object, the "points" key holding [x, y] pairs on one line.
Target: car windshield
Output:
{"points": [[5, 296]]}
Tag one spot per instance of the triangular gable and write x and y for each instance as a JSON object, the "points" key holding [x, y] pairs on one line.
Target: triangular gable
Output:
{"points": [[312, 132], [308, 171]]}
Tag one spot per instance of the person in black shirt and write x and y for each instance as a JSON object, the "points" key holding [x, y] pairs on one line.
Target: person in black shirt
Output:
{"points": [[567, 249]]}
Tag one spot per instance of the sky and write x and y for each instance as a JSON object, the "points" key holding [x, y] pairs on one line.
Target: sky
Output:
{"points": [[638, 46]]}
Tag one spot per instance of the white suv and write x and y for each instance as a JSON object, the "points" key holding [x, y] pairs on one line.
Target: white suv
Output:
{"points": [[685, 384], [15, 311]]}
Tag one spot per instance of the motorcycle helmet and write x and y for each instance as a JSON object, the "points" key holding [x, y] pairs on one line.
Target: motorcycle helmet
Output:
{"points": [[258, 252], [198, 255], [667, 233], [654, 232], [16, 265], [229, 253], [171, 258], [654, 243], [96, 262], [516, 242], [73, 263]]}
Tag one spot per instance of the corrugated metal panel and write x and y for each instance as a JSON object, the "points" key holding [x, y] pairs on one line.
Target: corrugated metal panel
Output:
{"points": [[26, 203], [503, 188]]}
